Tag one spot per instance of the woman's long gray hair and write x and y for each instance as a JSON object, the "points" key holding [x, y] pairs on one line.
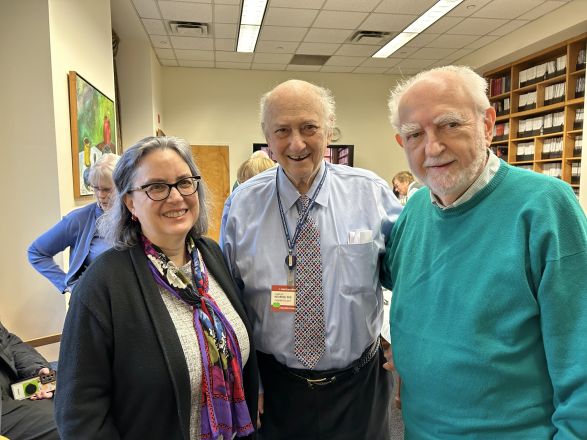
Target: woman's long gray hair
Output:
{"points": [[116, 225]]}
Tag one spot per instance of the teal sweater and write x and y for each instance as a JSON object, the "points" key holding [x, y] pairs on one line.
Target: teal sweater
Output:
{"points": [[489, 312]]}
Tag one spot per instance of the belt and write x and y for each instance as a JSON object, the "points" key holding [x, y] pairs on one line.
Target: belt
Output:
{"points": [[315, 379]]}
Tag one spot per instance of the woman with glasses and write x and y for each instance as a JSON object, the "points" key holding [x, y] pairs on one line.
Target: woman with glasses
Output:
{"points": [[156, 343], [76, 231]]}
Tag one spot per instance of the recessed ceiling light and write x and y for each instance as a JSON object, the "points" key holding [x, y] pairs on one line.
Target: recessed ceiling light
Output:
{"points": [[431, 16]]}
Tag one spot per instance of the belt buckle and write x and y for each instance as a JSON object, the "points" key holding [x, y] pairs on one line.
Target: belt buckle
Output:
{"points": [[320, 382]]}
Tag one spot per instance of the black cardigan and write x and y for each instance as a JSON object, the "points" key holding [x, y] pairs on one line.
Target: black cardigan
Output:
{"points": [[122, 370]]}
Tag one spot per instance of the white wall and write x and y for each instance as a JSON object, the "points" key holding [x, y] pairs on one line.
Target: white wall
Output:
{"points": [[60, 35], [221, 107]]}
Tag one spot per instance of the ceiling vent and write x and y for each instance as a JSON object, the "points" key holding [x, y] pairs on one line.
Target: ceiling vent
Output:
{"points": [[309, 60], [188, 29], [369, 37]]}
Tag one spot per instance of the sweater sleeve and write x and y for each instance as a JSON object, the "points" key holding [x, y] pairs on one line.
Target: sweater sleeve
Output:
{"points": [[27, 360], [562, 296], [43, 249], [83, 407]]}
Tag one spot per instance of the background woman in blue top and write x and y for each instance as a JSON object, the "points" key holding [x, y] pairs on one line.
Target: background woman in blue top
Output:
{"points": [[77, 230]]}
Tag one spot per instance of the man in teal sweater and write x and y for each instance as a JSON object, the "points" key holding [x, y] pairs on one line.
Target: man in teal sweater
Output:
{"points": [[488, 268]]}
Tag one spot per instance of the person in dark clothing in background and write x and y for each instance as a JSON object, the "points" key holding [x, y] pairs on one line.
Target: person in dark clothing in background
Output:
{"points": [[30, 418]]}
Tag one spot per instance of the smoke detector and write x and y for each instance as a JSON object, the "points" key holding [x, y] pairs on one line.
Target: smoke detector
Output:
{"points": [[188, 28], [369, 37]]}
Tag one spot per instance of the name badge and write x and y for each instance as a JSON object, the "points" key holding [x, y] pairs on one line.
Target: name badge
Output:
{"points": [[283, 298]]}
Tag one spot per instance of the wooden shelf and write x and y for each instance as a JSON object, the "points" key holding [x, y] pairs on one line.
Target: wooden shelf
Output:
{"points": [[570, 49]]}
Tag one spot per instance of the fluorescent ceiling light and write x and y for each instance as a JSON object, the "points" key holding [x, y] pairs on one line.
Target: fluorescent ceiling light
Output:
{"points": [[250, 25], [431, 16]]}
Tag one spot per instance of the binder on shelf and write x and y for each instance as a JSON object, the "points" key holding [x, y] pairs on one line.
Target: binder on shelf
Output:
{"points": [[581, 59], [554, 93], [580, 87], [578, 122], [578, 147]]}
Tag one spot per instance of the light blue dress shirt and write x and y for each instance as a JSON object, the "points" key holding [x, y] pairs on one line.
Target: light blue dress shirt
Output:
{"points": [[254, 244]]}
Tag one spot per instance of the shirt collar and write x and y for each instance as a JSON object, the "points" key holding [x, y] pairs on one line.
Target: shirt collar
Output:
{"points": [[290, 195], [488, 173]]}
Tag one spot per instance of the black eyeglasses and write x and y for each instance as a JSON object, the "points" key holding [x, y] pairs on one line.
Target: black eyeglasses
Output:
{"points": [[160, 191]]}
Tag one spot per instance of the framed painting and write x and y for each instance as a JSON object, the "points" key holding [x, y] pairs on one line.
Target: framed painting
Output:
{"points": [[93, 130]]}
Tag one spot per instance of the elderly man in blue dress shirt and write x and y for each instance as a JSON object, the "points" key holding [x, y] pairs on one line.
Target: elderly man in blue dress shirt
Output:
{"points": [[319, 354]]}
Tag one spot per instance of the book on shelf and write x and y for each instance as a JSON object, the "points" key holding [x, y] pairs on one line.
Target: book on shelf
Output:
{"points": [[501, 131], [578, 122], [525, 151], [552, 169], [581, 59], [554, 93], [576, 172], [580, 87], [578, 147], [539, 72], [527, 101], [500, 85], [552, 148]]}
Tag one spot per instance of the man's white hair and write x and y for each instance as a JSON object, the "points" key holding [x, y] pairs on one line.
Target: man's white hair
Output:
{"points": [[472, 82]]}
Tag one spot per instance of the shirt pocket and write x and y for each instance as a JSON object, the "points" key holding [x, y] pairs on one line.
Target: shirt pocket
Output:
{"points": [[356, 272]]}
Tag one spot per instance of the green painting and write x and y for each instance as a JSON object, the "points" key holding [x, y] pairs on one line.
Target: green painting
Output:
{"points": [[93, 131]]}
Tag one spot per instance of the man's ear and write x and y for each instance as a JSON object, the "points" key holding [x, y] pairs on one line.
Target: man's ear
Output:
{"points": [[488, 123], [399, 140]]}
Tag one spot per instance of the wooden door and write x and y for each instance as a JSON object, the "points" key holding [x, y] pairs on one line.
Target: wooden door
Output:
{"points": [[212, 161]]}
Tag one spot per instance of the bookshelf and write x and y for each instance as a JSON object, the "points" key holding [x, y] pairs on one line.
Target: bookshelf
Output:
{"points": [[540, 106]]}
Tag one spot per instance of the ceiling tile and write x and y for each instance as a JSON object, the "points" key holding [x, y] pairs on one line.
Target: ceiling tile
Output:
{"points": [[444, 24], [317, 48], [380, 62], [262, 66], [229, 65], [226, 14], [344, 61], [276, 46], [337, 69], [509, 27], [468, 8], [154, 27], [161, 41], [205, 55], [164, 53], [403, 71], [477, 26], [168, 63], [387, 22], [299, 68], [452, 41], [184, 11], [339, 20], [272, 58], [457, 55], [327, 35], [146, 8], [414, 63], [542, 9], [376, 70], [432, 53], [422, 40], [506, 8], [227, 2], [197, 1], [351, 5], [225, 30], [356, 50], [192, 43], [234, 57], [303, 4], [196, 63], [289, 16], [483, 41], [282, 33], [405, 6], [405, 52], [227, 44]]}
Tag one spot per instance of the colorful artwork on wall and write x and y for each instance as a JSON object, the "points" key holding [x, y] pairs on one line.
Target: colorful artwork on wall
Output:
{"points": [[93, 130]]}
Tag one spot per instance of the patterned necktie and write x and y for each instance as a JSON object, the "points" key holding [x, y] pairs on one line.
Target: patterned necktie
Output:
{"points": [[309, 332]]}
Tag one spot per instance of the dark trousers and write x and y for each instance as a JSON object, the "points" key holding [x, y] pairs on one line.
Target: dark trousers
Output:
{"points": [[27, 419], [354, 407]]}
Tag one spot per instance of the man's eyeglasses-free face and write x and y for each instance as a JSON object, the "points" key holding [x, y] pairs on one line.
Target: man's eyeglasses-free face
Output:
{"points": [[160, 191]]}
